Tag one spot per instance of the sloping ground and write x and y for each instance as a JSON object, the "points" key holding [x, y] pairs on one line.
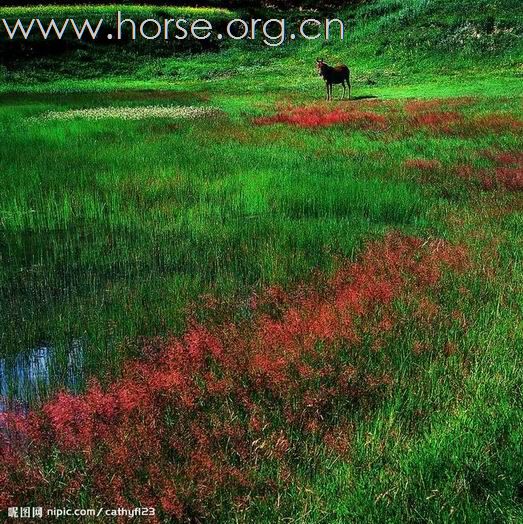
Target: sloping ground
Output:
{"points": [[387, 42], [17, 51]]}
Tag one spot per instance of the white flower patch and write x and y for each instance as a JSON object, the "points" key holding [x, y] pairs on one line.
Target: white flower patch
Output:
{"points": [[132, 113]]}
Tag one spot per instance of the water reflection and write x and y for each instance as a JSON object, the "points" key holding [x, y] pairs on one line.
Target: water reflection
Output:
{"points": [[27, 378]]}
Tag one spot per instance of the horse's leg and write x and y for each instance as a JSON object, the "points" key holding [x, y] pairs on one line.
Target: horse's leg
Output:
{"points": [[327, 86], [344, 90], [331, 90]]}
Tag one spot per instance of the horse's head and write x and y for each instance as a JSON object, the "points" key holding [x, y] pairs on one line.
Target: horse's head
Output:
{"points": [[320, 66]]}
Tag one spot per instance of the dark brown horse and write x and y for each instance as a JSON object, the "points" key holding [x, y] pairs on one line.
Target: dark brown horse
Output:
{"points": [[334, 75]]}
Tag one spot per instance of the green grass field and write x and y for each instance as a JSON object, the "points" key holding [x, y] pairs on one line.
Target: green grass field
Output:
{"points": [[115, 230]]}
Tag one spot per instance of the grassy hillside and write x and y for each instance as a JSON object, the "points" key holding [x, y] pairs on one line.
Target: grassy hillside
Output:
{"points": [[389, 42]]}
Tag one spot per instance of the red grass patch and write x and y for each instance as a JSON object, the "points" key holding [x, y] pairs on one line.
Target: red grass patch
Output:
{"points": [[504, 158], [498, 122], [422, 164], [509, 158], [508, 173], [414, 107], [320, 116], [227, 408], [466, 172], [447, 122], [511, 178], [508, 178]]}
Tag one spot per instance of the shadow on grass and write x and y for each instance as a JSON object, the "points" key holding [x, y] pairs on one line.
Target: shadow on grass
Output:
{"points": [[364, 97]]}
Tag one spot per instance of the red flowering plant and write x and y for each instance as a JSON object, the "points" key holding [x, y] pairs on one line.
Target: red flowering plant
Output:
{"points": [[226, 410], [505, 172], [321, 116]]}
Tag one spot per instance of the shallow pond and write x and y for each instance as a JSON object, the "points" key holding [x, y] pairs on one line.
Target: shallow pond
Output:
{"points": [[25, 379]]}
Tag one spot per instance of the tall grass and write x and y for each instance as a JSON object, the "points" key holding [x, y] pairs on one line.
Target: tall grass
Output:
{"points": [[111, 228], [109, 231]]}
